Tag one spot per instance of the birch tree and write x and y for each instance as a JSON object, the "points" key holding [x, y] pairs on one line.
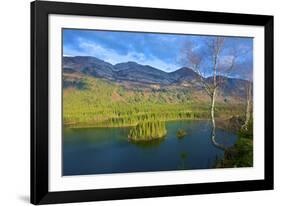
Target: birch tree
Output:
{"points": [[218, 66]]}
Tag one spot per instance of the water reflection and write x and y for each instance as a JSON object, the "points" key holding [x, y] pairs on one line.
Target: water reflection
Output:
{"points": [[148, 144], [108, 150], [183, 163]]}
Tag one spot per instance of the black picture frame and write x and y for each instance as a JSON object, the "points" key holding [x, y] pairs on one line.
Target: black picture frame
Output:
{"points": [[40, 110]]}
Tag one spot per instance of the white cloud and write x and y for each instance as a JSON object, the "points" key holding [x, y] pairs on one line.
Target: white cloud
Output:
{"points": [[91, 48], [226, 61]]}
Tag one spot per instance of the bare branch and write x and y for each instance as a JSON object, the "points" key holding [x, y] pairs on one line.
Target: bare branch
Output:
{"points": [[194, 60], [205, 85]]}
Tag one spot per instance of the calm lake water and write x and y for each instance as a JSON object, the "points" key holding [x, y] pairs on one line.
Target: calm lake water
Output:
{"points": [[107, 150]]}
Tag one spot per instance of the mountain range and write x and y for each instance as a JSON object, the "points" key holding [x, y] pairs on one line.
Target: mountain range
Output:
{"points": [[145, 75]]}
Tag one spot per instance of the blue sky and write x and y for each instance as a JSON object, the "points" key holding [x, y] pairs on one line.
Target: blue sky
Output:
{"points": [[163, 51]]}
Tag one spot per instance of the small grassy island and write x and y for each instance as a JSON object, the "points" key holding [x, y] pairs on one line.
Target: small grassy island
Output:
{"points": [[181, 133], [147, 131]]}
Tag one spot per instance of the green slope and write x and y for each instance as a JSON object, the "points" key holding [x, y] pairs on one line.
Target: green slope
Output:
{"points": [[94, 102]]}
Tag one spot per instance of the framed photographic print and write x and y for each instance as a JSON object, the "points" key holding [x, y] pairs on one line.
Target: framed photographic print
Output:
{"points": [[133, 102]]}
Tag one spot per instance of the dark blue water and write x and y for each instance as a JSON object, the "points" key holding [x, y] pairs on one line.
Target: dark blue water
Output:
{"points": [[107, 150]]}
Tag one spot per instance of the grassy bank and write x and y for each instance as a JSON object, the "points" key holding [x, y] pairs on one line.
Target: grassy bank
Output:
{"points": [[129, 115], [241, 154]]}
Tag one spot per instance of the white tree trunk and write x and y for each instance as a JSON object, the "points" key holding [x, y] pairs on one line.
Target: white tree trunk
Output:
{"points": [[248, 108], [213, 100], [213, 117]]}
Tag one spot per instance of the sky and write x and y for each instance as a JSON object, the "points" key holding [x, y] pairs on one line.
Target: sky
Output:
{"points": [[162, 51]]}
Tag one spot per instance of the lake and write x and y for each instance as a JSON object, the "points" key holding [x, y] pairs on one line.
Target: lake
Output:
{"points": [[107, 150]]}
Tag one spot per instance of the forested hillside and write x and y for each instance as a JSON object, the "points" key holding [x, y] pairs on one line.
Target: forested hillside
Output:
{"points": [[90, 101]]}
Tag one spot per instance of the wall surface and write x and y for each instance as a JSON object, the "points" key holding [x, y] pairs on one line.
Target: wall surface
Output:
{"points": [[14, 102]]}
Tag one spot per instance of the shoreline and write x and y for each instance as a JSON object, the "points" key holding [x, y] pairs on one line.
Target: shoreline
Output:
{"points": [[125, 126]]}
